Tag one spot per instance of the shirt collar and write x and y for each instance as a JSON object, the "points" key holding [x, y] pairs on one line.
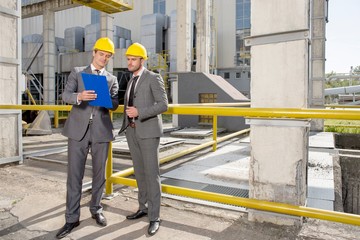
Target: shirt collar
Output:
{"points": [[140, 72], [94, 68]]}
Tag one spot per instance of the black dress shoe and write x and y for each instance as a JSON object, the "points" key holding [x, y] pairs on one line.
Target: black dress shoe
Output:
{"points": [[100, 219], [66, 229], [138, 214], [154, 227]]}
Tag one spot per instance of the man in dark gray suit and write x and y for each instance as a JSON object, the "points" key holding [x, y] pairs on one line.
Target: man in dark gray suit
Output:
{"points": [[88, 127], [145, 100]]}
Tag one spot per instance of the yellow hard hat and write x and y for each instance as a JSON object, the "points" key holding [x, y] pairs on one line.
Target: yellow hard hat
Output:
{"points": [[104, 44], [137, 50]]}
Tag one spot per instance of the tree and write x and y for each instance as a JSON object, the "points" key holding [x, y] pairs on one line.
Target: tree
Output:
{"points": [[356, 70]]}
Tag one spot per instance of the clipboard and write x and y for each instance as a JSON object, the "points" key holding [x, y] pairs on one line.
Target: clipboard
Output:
{"points": [[97, 83]]}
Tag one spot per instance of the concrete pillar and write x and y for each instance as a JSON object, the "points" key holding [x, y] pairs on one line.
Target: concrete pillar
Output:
{"points": [[49, 49], [203, 35], [317, 59], [183, 49], [107, 30], [279, 79], [183, 36], [10, 81]]}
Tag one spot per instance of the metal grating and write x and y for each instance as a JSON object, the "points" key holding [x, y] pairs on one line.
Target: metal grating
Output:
{"points": [[237, 192]]}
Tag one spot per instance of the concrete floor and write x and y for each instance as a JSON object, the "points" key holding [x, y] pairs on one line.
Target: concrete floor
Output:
{"points": [[33, 196]]}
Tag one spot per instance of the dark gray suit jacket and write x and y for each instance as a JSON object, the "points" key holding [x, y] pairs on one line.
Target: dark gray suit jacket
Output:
{"points": [[78, 119], [150, 99]]}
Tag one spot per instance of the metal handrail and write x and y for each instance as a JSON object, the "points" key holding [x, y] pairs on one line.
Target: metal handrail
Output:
{"points": [[273, 113]]}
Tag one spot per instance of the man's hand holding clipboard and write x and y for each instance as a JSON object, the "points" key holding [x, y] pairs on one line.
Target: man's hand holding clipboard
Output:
{"points": [[97, 91]]}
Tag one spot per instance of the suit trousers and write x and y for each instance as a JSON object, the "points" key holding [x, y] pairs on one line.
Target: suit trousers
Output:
{"points": [[77, 155], [145, 156]]}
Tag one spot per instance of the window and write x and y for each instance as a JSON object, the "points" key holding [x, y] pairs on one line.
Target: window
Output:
{"points": [[159, 6], [243, 8], [243, 15], [207, 98], [238, 74], [226, 75]]}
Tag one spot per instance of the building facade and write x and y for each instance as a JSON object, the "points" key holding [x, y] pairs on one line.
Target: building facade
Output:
{"points": [[153, 23]]}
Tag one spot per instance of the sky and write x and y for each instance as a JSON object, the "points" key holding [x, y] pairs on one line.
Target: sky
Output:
{"points": [[342, 48]]}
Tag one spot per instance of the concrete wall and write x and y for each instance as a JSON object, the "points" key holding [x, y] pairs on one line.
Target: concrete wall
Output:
{"points": [[241, 83], [10, 69], [192, 84]]}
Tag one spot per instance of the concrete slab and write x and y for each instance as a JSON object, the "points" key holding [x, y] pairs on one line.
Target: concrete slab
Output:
{"points": [[32, 205], [316, 140], [321, 189], [321, 186], [320, 204], [322, 140], [195, 132], [228, 166], [120, 144]]}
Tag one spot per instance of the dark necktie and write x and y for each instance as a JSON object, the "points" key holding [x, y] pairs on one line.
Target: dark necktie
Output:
{"points": [[132, 90]]}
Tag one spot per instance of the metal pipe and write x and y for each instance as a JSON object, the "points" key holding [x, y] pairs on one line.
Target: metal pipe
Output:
{"points": [[341, 106], [276, 207], [297, 113], [214, 132]]}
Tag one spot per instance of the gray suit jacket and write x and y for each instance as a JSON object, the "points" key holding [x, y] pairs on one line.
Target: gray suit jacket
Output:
{"points": [[78, 119], [150, 99]]}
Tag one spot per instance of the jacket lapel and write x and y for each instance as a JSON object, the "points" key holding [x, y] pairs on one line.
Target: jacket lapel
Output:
{"points": [[87, 69], [141, 80]]}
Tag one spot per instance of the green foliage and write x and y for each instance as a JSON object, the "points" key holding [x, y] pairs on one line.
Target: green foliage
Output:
{"points": [[167, 118], [330, 83], [356, 70], [342, 126], [341, 83]]}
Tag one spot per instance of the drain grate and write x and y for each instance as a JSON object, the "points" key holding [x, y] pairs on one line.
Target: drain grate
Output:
{"points": [[237, 192]]}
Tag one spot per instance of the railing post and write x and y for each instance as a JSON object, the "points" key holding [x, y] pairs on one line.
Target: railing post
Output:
{"points": [[215, 132], [109, 168], [56, 119]]}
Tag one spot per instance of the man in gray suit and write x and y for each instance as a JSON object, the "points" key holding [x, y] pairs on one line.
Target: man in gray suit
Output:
{"points": [[88, 127], [145, 99]]}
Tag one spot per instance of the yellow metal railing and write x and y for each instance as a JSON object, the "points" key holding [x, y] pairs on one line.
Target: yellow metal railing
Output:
{"points": [[119, 177]]}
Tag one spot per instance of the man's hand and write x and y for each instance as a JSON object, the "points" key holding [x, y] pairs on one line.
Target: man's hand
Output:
{"points": [[87, 95], [132, 112]]}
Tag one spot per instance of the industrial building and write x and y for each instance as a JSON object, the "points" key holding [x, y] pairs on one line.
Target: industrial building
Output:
{"points": [[153, 23], [267, 53]]}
